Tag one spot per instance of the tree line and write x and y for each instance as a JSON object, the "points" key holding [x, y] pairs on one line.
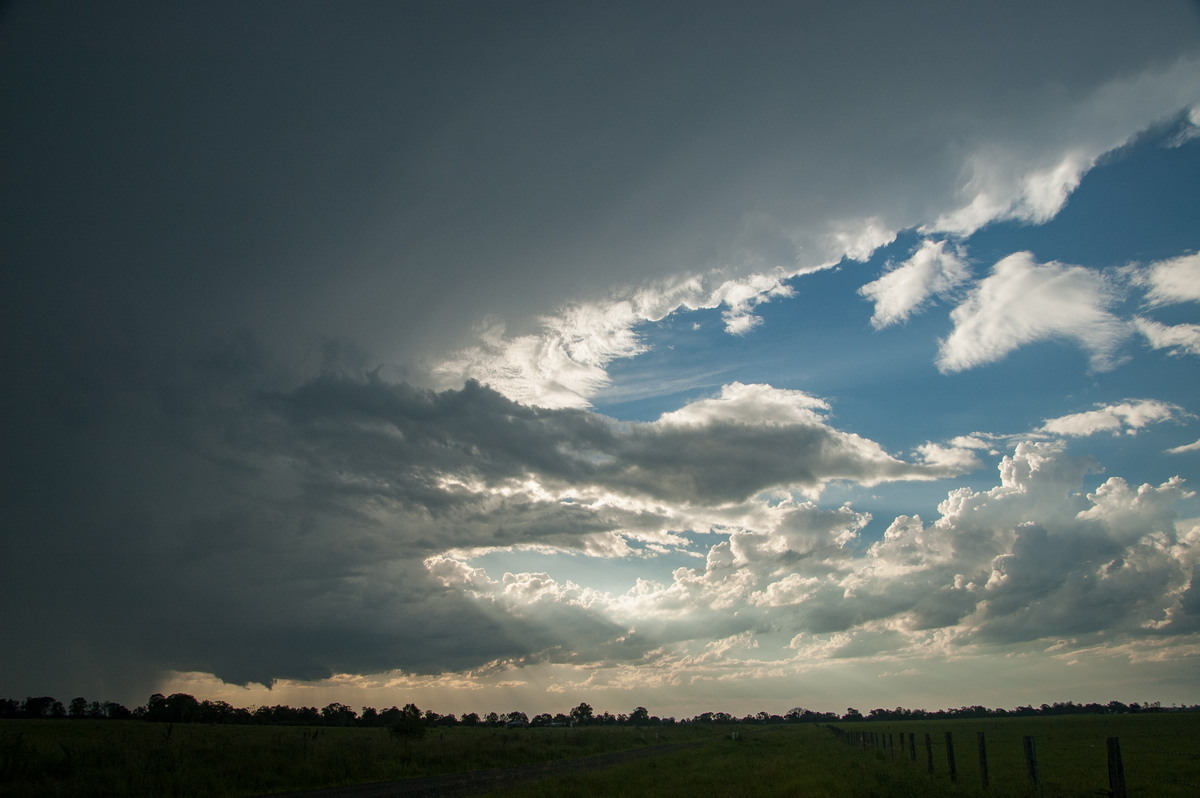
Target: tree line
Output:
{"points": [[412, 721]]}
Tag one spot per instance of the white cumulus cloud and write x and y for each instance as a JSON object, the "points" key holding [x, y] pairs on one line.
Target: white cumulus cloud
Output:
{"points": [[1129, 417], [1035, 557], [933, 270], [1174, 280], [1023, 301], [1177, 339]]}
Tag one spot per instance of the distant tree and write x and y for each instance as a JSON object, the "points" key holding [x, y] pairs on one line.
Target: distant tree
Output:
{"points": [[369, 717], [156, 708], [114, 711], [183, 707], [42, 707], [544, 719], [517, 718], [175, 708], [78, 708], [410, 724], [470, 719], [582, 714], [217, 712], [852, 714], [492, 719], [639, 717], [336, 714]]}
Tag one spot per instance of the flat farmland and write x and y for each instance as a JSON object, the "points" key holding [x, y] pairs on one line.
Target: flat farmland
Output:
{"points": [[1161, 755], [135, 758], [1160, 751]]}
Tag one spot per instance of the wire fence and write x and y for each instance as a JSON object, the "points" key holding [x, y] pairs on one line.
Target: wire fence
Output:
{"points": [[1008, 761]]}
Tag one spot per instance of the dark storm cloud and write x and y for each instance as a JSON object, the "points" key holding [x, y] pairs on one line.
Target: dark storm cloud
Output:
{"points": [[406, 439], [391, 172], [223, 522]]}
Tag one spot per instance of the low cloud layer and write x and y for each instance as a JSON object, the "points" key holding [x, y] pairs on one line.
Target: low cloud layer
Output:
{"points": [[282, 532], [370, 498], [1034, 558]]}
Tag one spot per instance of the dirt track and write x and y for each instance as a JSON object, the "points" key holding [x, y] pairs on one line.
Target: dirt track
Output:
{"points": [[478, 781]]}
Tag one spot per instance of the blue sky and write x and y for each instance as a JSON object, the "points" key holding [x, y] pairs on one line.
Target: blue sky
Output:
{"points": [[693, 357]]}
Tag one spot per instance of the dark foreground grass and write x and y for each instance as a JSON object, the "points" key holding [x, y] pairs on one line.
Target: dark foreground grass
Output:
{"points": [[111, 758], [769, 762], [133, 758], [1161, 755], [1161, 751]]}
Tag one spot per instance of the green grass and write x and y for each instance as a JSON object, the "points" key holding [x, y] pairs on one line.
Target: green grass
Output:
{"points": [[116, 758], [770, 762], [1161, 754], [1161, 751]]}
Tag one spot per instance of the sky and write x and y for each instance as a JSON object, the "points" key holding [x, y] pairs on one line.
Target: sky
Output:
{"points": [[694, 356]]}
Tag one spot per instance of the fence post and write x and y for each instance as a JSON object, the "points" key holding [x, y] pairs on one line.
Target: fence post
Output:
{"points": [[983, 770], [912, 745], [1116, 769], [1031, 766], [929, 751], [950, 757]]}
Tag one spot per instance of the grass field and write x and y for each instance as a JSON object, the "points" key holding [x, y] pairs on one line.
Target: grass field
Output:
{"points": [[1161, 755], [1161, 751], [771, 762], [134, 758], [115, 758]]}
